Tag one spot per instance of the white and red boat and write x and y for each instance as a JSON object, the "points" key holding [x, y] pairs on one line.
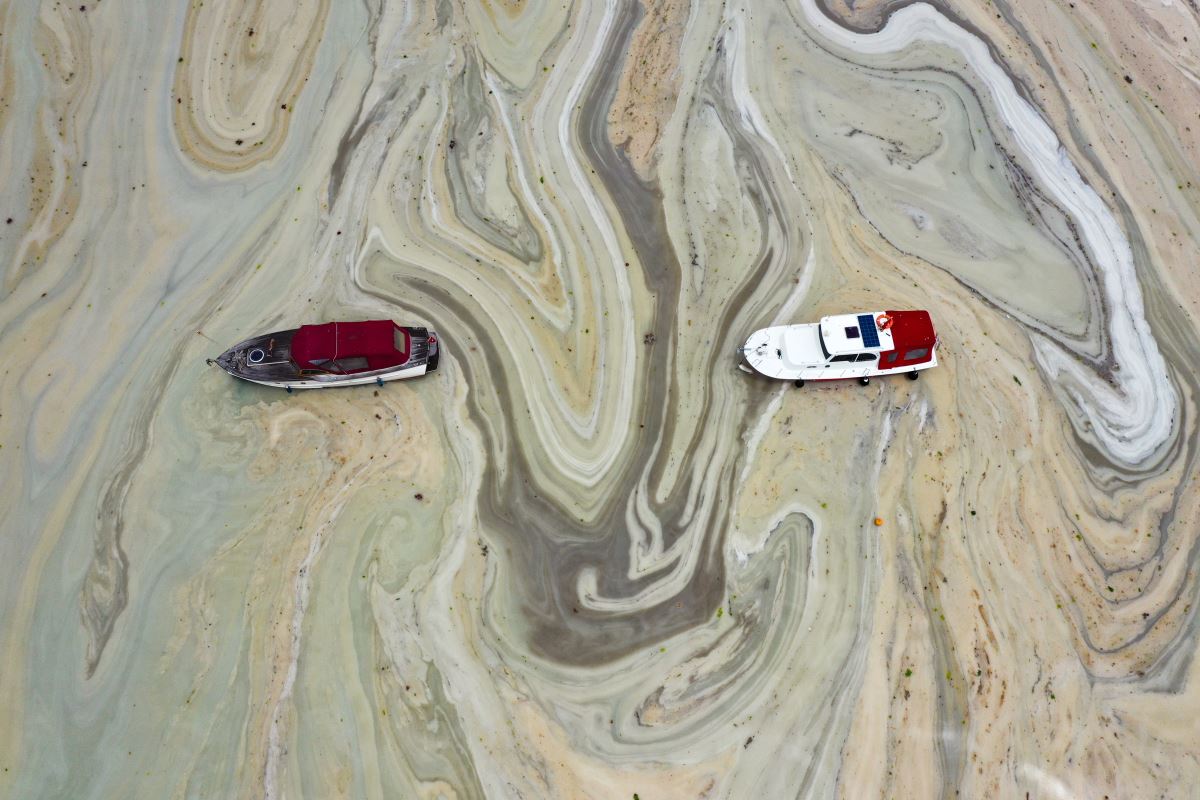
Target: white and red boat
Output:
{"points": [[333, 354], [844, 346]]}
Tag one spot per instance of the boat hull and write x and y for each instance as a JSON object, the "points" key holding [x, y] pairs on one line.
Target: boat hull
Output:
{"points": [[774, 353], [356, 380], [266, 361]]}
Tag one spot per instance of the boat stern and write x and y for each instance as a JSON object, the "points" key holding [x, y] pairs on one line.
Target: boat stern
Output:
{"points": [[435, 352]]}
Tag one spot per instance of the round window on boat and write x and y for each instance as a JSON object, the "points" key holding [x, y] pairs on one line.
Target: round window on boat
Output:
{"points": [[256, 356]]}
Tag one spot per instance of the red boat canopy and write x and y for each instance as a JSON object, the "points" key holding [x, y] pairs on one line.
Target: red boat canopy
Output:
{"points": [[350, 346], [912, 329]]}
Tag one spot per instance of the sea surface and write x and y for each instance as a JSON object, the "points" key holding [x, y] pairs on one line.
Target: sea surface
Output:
{"points": [[589, 557]]}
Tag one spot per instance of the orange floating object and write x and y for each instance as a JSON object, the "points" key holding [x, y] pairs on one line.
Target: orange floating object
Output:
{"points": [[878, 521]]}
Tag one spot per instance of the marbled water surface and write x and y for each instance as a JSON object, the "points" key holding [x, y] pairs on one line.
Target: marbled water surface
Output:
{"points": [[588, 557]]}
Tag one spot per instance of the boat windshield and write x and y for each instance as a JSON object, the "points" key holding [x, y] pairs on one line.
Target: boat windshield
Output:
{"points": [[821, 341]]}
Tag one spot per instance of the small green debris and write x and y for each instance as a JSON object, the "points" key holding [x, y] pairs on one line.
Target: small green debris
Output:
{"points": [[720, 612], [908, 673], [541, 179], [1110, 588], [1018, 380]]}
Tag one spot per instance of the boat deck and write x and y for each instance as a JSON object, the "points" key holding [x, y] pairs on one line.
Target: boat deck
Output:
{"points": [[276, 363]]}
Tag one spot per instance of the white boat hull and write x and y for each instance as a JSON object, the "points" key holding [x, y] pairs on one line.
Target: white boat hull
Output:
{"points": [[790, 353], [358, 380]]}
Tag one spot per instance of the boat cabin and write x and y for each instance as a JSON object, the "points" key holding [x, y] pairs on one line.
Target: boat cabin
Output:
{"points": [[848, 339], [344, 348]]}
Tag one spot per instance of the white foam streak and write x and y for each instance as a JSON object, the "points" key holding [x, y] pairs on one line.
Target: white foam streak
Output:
{"points": [[1134, 418]]}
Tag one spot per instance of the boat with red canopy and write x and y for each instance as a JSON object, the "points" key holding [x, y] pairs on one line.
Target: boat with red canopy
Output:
{"points": [[333, 354], [860, 345]]}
